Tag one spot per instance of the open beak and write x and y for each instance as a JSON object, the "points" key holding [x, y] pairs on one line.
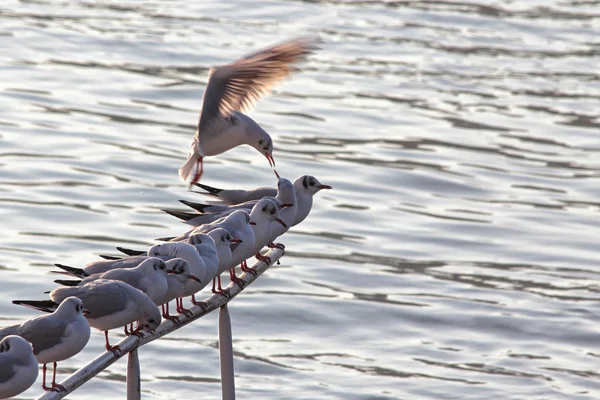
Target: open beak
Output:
{"points": [[281, 222], [85, 312], [325, 187], [236, 240], [194, 278], [252, 223], [271, 160]]}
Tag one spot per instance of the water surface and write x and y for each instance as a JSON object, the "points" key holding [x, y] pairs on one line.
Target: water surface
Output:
{"points": [[456, 257]]}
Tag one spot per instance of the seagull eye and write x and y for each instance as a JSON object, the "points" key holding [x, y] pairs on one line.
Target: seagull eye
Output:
{"points": [[260, 142], [264, 209], [311, 183]]}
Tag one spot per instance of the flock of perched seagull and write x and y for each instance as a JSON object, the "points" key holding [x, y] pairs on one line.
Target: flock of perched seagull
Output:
{"points": [[231, 227]]}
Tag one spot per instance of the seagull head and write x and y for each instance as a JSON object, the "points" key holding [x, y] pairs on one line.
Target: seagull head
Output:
{"points": [[15, 344], [71, 307], [311, 185]]}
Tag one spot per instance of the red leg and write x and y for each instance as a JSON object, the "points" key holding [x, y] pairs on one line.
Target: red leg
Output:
{"points": [[198, 172], [234, 278], [56, 386], [166, 315], [115, 349], [248, 269], [260, 257], [214, 283], [180, 308], [44, 379], [219, 282], [276, 246]]}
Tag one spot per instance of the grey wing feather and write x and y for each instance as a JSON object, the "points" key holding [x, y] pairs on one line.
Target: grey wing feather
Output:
{"points": [[9, 330], [43, 332], [105, 300]]}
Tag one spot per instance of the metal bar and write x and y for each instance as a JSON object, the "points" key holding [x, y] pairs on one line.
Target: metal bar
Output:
{"points": [[126, 345], [226, 354], [134, 389]]}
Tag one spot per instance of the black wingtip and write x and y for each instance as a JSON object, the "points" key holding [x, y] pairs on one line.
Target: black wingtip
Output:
{"points": [[183, 215], [131, 252], [41, 305], [211, 190], [166, 239], [109, 257], [67, 282], [196, 206], [72, 270]]}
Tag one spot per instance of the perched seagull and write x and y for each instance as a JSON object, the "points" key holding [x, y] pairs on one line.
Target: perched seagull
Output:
{"points": [[306, 187], [55, 337], [111, 304], [286, 194], [18, 366], [231, 91], [265, 213], [175, 284], [150, 277]]}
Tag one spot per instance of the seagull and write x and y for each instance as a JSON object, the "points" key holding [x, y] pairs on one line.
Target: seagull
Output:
{"points": [[209, 213], [265, 213], [175, 284], [306, 187], [111, 304], [231, 91], [150, 277], [55, 337], [18, 366]]}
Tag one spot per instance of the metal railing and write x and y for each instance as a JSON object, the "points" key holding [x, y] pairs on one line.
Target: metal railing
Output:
{"points": [[130, 344]]}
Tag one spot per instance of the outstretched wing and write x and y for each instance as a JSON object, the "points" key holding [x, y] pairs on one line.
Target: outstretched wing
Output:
{"points": [[237, 86]]}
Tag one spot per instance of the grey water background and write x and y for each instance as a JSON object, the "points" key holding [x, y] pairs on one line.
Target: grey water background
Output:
{"points": [[457, 256]]}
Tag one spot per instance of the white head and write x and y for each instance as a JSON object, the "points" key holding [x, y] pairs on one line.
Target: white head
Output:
{"points": [[153, 265], [256, 136], [267, 210], [173, 250], [71, 308], [151, 318], [181, 269], [238, 219], [309, 185], [16, 346], [286, 192]]}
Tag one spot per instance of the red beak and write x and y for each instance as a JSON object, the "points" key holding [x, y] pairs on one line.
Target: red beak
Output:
{"points": [[236, 240], [276, 174], [281, 222], [85, 312], [252, 223], [271, 160], [325, 187], [194, 278]]}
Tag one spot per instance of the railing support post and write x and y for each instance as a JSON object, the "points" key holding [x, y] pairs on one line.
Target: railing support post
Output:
{"points": [[134, 389], [226, 354]]}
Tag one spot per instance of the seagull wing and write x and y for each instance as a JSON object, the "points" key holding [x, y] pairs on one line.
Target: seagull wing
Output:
{"points": [[237, 86]]}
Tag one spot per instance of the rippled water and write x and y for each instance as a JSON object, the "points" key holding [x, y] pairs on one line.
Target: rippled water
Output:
{"points": [[456, 257]]}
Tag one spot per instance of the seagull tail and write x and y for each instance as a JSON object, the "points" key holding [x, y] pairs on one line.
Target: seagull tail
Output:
{"points": [[196, 206], [41, 305], [183, 215], [212, 191], [131, 252], [186, 170], [78, 272], [67, 282]]}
